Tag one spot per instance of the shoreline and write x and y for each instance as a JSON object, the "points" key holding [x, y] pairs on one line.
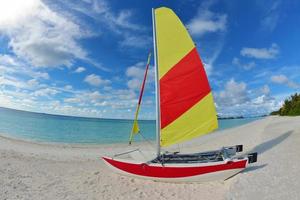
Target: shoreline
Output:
{"points": [[8, 136], [52, 171]]}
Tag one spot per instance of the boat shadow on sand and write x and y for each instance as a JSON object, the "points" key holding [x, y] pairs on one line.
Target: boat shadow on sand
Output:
{"points": [[265, 146]]}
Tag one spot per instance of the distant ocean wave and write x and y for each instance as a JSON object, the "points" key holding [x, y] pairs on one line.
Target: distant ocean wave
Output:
{"points": [[41, 127]]}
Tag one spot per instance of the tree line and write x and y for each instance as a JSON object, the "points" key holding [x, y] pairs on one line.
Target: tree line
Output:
{"points": [[291, 106]]}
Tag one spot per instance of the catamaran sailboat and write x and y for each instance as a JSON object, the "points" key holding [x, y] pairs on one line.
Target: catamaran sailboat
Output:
{"points": [[184, 110]]}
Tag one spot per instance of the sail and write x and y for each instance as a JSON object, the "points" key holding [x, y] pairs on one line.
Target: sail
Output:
{"points": [[186, 103], [135, 127]]}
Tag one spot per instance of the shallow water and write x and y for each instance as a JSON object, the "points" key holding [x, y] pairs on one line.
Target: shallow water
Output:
{"points": [[65, 129]]}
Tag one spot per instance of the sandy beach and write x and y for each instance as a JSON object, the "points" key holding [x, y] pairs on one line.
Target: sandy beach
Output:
{"points": [[56, 171]]}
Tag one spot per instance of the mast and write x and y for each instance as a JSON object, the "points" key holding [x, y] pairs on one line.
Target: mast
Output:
{"points": [[156, 85]]}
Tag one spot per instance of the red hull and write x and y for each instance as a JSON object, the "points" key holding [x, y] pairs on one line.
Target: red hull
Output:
{"points": [[178, 171]]}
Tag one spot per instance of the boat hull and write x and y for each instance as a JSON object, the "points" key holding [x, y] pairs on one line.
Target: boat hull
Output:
{"points": [[196, 172]]}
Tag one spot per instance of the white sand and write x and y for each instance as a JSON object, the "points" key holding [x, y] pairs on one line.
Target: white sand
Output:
{"points": [[43, 171]]}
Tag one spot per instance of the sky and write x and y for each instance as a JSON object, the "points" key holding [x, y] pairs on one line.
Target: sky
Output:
{"points": [[87, 57]]}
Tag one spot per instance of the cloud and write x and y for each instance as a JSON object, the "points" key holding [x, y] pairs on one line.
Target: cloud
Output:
{"points": [[79, 70], [16, 99], [207, 21], [136, 41], [245, 66], [96, 80], [6, 59], [264, 96], [134, 84], [68, 87], [263, 53], [33, 83], [119, 23], [279, 79], [40, 35], [203, 23], [12, 81], [121, 99], [282, 79], [136, 72], [101, 11], [209, 62], [45, 92], [73, 100], [233, 94], [270, 19], [86, 98], [236, 100], [265, 90], [263, 99], [12, 65], [19, 83]]}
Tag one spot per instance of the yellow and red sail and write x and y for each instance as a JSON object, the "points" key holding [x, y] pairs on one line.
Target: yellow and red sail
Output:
{"points": [[186, 103]]}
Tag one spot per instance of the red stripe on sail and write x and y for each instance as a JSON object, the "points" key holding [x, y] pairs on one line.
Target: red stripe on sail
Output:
{"points": [[181, 87]]}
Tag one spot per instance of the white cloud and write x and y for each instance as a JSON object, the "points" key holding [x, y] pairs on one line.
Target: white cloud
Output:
{"points": [[79, 70], [16, 100], [101, 11], [84, 98], [33, 83], [233, 94], [237, 100], [136, 72], [263, 99], [36, 74], [136, 41], [6, 59], [73, 100], [134, 84], [94, 96], [19, 83], [12, 81], [45, 92], [282, 79], [14, 10], [271, 15], [120, 23], [245, 66], [13, 66], [230, 104], [265, 90], [125, 94], [279, 79], [68, 87], [114, 103], [263, 53], [121, 99], [96, 80], [207, 21], [39, 35]]}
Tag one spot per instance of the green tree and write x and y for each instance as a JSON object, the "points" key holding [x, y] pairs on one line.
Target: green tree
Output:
{"points": [[291, 106]]}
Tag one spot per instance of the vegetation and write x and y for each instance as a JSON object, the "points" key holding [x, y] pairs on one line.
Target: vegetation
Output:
{"points": [[291, 106]]}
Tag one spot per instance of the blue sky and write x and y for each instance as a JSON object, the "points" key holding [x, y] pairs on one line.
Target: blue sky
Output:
{"points": [[87, 58]]}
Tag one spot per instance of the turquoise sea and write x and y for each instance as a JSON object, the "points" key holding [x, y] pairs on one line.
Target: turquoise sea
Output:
{"points": [[65, 129]]}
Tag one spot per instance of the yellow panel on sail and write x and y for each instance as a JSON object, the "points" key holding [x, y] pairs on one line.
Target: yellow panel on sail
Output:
{"points": [[186, 103]]}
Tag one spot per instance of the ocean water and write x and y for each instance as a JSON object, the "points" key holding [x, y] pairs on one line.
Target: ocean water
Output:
{"points": [[64, 129]]}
